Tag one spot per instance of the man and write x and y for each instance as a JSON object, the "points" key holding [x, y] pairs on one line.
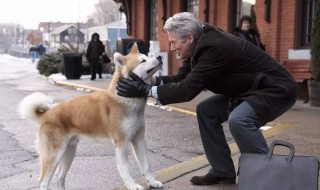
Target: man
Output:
{"points": [[94, 51], [41, 50], [233, 69], [33, 51]]}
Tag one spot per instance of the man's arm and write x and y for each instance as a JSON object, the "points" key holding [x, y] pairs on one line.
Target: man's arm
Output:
{"points": [[138, 88]]}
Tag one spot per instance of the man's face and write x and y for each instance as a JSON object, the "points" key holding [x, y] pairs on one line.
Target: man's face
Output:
{"points": [[183, 48]]}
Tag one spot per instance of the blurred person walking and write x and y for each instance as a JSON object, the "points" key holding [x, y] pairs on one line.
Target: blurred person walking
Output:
{"points": [[33, 51], [41, 50], [94, 52]]}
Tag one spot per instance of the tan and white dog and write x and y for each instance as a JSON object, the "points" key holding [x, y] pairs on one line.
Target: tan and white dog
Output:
{"points": [[102, 114]]}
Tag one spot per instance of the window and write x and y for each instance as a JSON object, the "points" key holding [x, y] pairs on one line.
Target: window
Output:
{"points": [[72, 31], [306, 16], [246, 7], [239, 12], [193, 7], [154, 20]]}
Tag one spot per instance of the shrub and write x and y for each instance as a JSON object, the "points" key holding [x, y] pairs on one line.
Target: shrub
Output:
{"points": [[85, 70], [50, 64], [53, 63]]}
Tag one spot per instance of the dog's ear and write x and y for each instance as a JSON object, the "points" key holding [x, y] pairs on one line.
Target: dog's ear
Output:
{"points": [[134, 48], [119, 59]]}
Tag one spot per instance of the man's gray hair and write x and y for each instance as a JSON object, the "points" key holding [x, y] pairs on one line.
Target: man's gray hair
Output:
{"points": [[183, 24]]}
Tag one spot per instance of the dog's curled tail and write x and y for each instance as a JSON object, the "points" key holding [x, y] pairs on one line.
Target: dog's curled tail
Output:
{"points": [[34, 105]]}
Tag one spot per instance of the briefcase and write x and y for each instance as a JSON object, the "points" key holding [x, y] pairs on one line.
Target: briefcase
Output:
{"points": [[278, 172]]}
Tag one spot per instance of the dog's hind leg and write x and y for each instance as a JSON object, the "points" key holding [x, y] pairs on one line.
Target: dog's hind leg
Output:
{"points": [[66, 162], [123, 166], [140, 150], [50, 155]]}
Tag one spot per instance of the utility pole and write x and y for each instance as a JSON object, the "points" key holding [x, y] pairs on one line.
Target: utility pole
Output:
{"points": [[120, 15], [22, 37], [49, 41]]}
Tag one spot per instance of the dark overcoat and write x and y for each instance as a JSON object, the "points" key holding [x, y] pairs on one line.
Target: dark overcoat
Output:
{"points": [[251, 36], [228, 65], [95, 48]]}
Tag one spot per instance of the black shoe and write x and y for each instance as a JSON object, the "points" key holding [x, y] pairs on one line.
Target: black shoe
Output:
{"points": [[210, 179], [92, 79], [100, 77]]}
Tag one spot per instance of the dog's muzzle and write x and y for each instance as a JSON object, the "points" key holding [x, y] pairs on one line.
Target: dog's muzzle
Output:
{"points": [[159, 58]]}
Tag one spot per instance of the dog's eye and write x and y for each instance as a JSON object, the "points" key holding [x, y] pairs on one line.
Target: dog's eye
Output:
{"points": [[143, 61]]}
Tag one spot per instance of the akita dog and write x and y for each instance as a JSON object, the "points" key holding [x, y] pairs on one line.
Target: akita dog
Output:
{"points": [[102, 114]]}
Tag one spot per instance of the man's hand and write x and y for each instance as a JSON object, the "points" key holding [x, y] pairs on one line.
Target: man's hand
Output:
{"points": [[135, 88]]}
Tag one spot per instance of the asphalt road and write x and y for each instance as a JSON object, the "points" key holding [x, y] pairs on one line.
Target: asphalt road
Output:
{"points": [[171, 137]]}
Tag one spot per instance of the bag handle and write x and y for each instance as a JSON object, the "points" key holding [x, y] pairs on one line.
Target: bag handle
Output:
{"points": [[282, 143]]}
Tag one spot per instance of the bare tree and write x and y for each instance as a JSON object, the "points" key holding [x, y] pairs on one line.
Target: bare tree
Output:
{"points": [[106, 11], [35, 37]]}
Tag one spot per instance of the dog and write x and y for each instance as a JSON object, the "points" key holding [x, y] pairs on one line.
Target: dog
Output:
{"points": [[99, 115]]}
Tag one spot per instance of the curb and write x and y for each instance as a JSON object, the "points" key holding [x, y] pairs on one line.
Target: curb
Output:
{"points": [[173, 109], [72, 85]]}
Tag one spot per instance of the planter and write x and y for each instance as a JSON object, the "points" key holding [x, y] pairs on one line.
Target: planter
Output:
{"points": [[72, 65], [314, 93]]}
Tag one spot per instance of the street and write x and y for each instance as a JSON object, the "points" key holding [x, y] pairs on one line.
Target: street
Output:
{"points": [[171, 137]]}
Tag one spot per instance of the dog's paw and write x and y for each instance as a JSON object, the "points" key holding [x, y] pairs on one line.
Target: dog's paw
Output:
{"points": [[136, 187], [156, 184]]}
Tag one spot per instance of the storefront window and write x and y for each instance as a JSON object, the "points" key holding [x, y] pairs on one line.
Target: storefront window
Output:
{"points": [[306, 16], [193, 7], [154, 20]]}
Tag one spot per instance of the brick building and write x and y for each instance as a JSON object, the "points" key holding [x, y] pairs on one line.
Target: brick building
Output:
{"points": [[285, 25]]}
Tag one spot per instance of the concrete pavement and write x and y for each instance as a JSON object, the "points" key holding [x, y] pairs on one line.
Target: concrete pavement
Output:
{"points": [[299, 126]]}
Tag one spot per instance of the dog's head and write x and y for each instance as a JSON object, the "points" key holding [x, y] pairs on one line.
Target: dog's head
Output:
{"points": [[137, 63]]}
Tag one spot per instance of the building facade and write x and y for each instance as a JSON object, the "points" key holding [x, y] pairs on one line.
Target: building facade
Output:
{"points": [[285, 26], [67, 35], [109, 34]]}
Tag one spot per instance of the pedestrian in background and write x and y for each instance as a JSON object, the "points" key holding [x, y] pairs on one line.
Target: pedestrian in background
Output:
{"points": [[246, 32], [94, 52], [41, 50], [33, 52], [230, 68]]}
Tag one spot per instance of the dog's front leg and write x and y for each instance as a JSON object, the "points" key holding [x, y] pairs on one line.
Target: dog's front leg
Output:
{"points": [[123, 166], [140, 150]]}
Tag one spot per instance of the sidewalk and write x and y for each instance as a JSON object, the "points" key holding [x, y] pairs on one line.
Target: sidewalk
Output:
{"points": [[299, 126]]}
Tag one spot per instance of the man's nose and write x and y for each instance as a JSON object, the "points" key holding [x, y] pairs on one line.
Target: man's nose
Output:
{"points": [[172, 47]]}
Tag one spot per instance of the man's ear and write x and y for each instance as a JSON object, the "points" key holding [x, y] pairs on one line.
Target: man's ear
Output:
{"points": [[119, 59], [190, 38]]}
